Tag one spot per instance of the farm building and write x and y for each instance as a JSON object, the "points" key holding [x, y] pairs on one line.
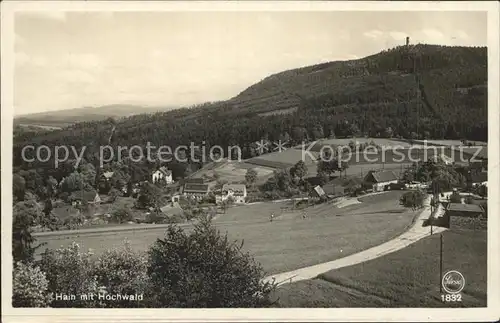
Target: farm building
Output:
{"points": [[348, 184], [459, 215], [193, 181], [317, 192], [237, 191], [163, 173], [379, 179], [331, 189], [84, 197], [196, 191]]}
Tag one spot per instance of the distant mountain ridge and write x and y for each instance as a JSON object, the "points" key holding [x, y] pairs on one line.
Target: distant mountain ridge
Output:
{"points": [[71, 116]]}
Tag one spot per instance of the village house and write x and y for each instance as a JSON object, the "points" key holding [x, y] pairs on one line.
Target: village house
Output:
{"points": [[333, 190], [79, 198], [194, 181], [463, 216], [379, 179], [237, 191], [196, 191], [317, 192], [163, 173]]}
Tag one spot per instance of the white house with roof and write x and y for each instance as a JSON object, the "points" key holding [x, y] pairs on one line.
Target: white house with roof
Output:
{"points": [[163, 173], [237, 191], [379, 179]]}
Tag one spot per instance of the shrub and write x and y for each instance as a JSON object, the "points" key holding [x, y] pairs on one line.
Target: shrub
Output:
{"points": [[29, 286], [122, 271], [413, 199], [69, 271], [155, 217], [122, 214], [204, 269]]}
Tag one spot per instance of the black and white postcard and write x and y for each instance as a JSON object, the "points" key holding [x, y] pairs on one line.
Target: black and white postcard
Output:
{"points": [[241, 160]]}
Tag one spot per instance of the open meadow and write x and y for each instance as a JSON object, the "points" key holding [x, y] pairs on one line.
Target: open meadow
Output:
{"points": [[405, 278], [289, 242], [233, 172]]}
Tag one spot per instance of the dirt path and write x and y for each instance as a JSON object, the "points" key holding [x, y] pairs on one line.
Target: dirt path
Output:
{"points": [[416, 232]]}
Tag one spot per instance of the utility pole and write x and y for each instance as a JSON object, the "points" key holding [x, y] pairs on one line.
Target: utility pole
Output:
{"points": [[441, 263], [418, 100]]}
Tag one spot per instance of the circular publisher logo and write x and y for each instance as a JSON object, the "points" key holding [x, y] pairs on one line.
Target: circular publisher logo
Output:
{"points": [[453, 282]]}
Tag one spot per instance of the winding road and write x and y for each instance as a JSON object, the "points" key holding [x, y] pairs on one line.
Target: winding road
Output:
{"points": [[414, 233]]}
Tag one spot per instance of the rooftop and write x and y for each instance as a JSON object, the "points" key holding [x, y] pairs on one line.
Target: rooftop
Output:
{"points": [[333, 189], [237, 188], [194, 180], [319, 191], [195, 188], [383, 176]]}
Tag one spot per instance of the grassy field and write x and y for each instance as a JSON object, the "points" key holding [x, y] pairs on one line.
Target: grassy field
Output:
{"points": [[368, 158], [283, 159], [287, 243], [233, 171], [406, 278]]}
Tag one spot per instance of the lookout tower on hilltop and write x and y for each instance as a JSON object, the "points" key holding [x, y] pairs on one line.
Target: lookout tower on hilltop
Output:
{"points": [[407, 41]]}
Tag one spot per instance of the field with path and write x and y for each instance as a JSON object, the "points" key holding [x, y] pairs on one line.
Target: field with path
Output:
{"points": [[289, 242], [405, 278]]}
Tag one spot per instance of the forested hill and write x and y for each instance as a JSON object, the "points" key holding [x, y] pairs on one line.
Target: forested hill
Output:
{"points": [[378, 96], [378, 80]]}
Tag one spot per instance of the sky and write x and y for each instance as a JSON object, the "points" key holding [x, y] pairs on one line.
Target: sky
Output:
{"points": [[66, 60]]}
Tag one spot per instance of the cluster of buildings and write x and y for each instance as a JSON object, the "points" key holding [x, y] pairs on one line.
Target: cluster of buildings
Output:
{"points": [[195, 188], [375, 181]]}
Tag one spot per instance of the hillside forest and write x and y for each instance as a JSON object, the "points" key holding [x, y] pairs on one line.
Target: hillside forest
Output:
{"points": [[416, 92]]}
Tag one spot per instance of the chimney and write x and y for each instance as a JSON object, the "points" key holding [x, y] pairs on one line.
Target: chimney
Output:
{"points": [[407, 41]]}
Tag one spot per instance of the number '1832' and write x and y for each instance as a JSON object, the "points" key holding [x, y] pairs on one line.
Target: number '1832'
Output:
{"points": [[451, 297]]}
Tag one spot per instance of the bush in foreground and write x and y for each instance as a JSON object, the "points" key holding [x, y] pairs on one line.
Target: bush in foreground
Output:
{"points": [[29, 286], [70, 271], [122, 271], [197, 269], [204, 269]]}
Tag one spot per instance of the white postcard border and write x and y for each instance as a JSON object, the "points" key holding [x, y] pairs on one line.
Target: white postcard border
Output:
{"points": [[9, 314]]}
